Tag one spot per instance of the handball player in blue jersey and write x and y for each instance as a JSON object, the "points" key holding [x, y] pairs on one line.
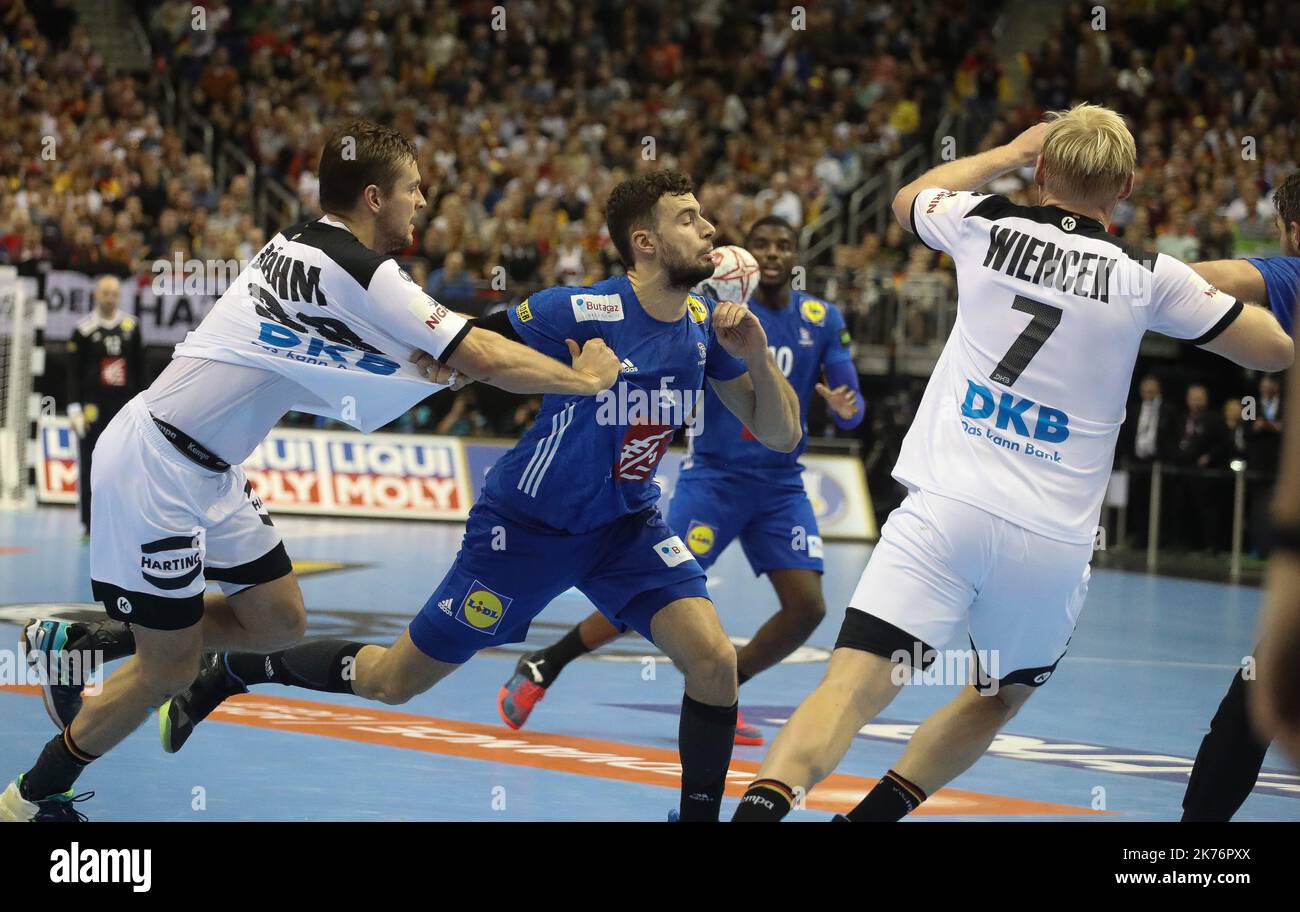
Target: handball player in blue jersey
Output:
{"points": [[732, 487], [574, 503], [1232, 753]]}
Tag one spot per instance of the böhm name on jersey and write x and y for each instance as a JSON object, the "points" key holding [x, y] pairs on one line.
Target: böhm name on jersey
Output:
{"points": [[311, 339]]}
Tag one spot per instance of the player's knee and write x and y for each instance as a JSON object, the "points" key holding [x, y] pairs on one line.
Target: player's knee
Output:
{"points": [[714, 668], [807, 611], [288, 618]]}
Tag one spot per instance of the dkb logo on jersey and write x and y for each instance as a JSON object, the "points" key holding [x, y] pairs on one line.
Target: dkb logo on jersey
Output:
{"points": [[482, 608], [700, 537], [1052, 425], [172, 563]]}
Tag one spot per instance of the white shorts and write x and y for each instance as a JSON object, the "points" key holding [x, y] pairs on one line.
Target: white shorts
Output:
{"points": [[162, 527], [943, 568]]}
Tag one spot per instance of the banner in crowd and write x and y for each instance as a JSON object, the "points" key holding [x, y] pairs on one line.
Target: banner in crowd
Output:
{"points": [[409, 476], [164, 319]]}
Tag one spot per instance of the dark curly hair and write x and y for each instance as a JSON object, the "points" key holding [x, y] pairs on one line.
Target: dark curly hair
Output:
{"points": [[1286, 199], [631, 206]]}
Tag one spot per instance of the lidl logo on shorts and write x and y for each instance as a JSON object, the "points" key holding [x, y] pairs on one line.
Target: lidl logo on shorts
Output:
{"points": [[672, 551], [482, 608], [700, 537], [524, 312], [814, 311], [698, 310]]}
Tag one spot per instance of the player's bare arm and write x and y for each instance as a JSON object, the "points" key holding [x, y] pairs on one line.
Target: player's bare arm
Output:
{"points": [[1239, 278], [1256, 341], [490, 358], [762, 398], [972, 172]]}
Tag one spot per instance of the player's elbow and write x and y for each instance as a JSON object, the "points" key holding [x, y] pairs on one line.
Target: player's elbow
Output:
{"points": [[787, 441], [902, 207], [1280, 354]]}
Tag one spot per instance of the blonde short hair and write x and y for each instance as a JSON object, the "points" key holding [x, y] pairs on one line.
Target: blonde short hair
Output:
{"points": [[1088, 153]]}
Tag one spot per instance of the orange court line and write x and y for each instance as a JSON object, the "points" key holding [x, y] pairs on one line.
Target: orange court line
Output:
{"points": [[565, 753]]}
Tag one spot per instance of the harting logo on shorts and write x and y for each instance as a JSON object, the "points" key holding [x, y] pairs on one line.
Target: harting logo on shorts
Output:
{"points": [[482, 608], [172, 563], [76, 865]]}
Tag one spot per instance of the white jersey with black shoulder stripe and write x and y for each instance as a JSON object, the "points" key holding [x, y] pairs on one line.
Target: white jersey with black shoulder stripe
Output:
{"points": [[1021, 414], [319, 308]]}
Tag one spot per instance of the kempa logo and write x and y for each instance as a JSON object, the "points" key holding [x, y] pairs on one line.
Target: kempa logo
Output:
{"points": [[78, 865], [123, 605]]}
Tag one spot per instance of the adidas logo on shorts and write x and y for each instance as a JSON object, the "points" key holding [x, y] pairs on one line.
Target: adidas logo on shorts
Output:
{"points": [[445, 606]]}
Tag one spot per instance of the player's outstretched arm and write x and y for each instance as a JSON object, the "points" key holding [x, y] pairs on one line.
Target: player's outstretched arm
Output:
{"points": [[1239, 278], [1255, 340], [491, 358], [972, 172], [762, 398]]}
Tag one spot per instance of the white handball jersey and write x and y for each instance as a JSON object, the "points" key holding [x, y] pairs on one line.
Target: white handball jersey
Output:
{"points": [[1022, 411], [321, 309]]}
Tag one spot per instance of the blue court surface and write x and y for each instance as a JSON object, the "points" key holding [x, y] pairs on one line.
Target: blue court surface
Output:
{"points": [[1115, 729]]}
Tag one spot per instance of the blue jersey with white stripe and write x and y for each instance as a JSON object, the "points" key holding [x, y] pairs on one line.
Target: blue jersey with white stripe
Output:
{"points": [[1282, 279], [804, 336], [589, 460]]}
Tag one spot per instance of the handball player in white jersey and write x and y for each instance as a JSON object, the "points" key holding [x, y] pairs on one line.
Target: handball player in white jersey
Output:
{"points": [[323, 321], [1008, 459]]}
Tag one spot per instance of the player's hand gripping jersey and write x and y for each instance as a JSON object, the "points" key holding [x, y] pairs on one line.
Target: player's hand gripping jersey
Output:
{"points": [[803, 337], [340, 320], [1022, 411], [589, 461]]}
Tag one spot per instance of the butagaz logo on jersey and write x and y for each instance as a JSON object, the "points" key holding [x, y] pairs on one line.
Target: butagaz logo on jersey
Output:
{"points": [[626, 404], [605, 308], [1023, 256], [172, 563], [1012, 417]]}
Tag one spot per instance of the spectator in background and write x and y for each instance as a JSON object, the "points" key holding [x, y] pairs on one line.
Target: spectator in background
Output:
{"points": [[1263, 454], [1154, 438], [452, 285], [1202, 437]]}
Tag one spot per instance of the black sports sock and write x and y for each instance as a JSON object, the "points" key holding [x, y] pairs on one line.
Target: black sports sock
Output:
{"points": [[56, 769], [1227, 763], [326, 665], [113, 638], [705, 737], [891, 800], [559, 654], [765, 801]]}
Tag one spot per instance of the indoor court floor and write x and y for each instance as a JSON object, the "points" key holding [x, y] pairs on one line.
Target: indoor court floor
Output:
{"points": [[1111, 736]]}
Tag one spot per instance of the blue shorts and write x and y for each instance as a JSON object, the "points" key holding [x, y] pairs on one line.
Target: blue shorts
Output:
{"points": [[774, 520], [508, 571]]}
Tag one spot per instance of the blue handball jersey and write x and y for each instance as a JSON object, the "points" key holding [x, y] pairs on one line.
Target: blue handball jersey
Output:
{"points": [[804, 336], [589, 460], [1282, 279]]}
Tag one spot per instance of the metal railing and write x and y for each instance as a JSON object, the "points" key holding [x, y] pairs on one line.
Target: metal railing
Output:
{"points": [[1191, 512]]}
